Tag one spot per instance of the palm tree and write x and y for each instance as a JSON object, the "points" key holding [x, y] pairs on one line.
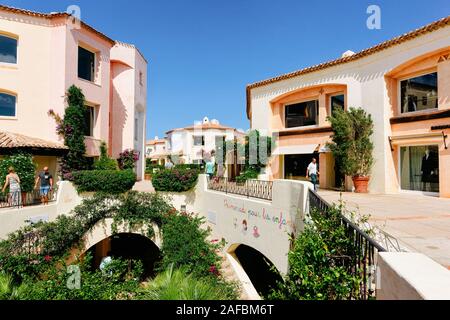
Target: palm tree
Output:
{"points": [[8, 290], [177, 284]]}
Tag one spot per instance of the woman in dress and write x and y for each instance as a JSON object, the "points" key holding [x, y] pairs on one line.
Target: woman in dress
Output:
{"points": [[13, 180]]}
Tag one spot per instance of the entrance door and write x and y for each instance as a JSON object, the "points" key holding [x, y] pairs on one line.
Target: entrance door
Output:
{"points": [[419, 168], [339, 177], [295, 165]]}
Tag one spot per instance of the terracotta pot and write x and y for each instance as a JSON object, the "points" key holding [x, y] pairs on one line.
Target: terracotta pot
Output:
{"points": [[148, 176], [361, 183]]}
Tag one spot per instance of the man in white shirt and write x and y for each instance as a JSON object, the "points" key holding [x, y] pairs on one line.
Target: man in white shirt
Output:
{"points": [[312, 172]]}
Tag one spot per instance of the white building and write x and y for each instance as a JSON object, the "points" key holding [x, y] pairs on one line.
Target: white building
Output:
{"points": [[194, 143], [156, 151]]}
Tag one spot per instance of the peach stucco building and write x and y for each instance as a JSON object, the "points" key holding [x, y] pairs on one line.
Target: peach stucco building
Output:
{"points": [[42, 55], [404, 83]]}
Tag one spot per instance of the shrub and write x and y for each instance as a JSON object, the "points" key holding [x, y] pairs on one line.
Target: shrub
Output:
{"points": [[176, 180], [105, 162], [73, 128], [25, 168], [194, 166], [351, 141], [246, 175], [112, 181], [185, 244], [179, 284], [152, 168], [127, 159], [321, 262]]}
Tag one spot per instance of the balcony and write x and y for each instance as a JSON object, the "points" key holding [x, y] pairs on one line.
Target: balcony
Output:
{"points": [[92, 146]]}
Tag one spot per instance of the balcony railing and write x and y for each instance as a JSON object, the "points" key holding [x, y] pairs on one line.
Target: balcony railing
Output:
{"points": [[251, 188], [24, 199], [365, 249]]}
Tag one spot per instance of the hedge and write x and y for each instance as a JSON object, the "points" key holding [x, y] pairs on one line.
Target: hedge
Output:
{"points": [[112, 181], [176, 180]]}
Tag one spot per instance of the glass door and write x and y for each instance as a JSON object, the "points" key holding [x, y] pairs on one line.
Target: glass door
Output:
{"points": [[419, 168]]}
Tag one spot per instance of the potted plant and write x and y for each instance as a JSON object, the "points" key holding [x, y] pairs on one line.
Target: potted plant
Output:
{"points": [[352, 146]]}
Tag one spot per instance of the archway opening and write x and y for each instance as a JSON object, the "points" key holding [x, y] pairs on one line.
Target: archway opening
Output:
{"points": [[127, 246], [261, 271]]}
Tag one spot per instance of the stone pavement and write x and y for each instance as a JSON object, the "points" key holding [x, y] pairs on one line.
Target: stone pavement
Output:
{"points": [[420, 223], [143, 186]]}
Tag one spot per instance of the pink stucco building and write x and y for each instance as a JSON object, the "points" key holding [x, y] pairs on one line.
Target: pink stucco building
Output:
{"points": [[41, 56]]}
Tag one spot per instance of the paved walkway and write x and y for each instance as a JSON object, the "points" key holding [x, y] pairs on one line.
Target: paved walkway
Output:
{"points": [[143, 186], [420, 223]]}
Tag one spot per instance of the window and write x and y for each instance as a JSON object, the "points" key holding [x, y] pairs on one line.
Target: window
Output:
{"points": [[141, 78], [301, 114], [199, 140], [337, 101], [423, 88], [8, 49], [86, 64], [7, 105], [136, 129], [419, 168], [89, 121]]}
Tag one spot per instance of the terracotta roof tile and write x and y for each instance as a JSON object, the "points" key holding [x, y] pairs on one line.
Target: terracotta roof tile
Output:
{"points": [[203, 126], [152, 142], [54, 15], [9, 140], [366, 52]]}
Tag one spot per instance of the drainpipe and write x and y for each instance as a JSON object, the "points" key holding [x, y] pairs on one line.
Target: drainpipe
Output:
{"points": [[110, 110]]}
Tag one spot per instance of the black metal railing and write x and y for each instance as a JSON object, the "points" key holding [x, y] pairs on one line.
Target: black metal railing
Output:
{"points": [[251, 188], [365, 249], [22, 199]]}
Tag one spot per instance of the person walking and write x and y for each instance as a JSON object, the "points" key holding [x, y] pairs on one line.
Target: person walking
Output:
{"points": [[169, 164], [13, 181], [312, 172], [210, 168], [46, 184]]}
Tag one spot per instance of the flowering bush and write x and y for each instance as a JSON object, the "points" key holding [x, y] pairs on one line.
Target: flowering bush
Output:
{"points": [[127, 159], [177, 180]]}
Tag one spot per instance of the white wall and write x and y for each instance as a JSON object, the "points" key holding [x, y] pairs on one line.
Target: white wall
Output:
{"points": [[411, 276], [273, 220], [14, 219]]}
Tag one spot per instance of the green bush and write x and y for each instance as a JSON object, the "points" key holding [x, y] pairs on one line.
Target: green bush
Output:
{"points": [[152, 168], [175, 180], [199, 167], [112, 181], [25, 168], [321, 262], [185, 244], [127, 159], [351, 141], [105, 162], [246, 175], [179, 284]]}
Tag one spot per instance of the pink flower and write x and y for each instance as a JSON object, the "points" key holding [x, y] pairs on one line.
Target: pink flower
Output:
{"points": [[214, 270], [47, 258]]}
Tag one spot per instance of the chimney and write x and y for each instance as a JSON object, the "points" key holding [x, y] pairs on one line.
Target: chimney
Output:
{"points": [[347, 53]]}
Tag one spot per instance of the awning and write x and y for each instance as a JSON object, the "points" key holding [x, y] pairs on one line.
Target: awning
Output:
{"points": [[13, 141], [413, 138], [302, 149]]}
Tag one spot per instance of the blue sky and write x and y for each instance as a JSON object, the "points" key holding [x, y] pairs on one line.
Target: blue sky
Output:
{"points": [[202, 53]]}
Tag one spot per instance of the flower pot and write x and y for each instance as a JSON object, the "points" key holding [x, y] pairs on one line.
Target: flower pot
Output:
{"points": [[148, 176], [361, 183]]}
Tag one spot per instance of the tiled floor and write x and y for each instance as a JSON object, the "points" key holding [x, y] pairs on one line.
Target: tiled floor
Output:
{"points": [[420, 223]]}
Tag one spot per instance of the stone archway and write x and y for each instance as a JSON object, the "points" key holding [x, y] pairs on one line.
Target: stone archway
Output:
{"points": [[256, 266], [103, 230]]}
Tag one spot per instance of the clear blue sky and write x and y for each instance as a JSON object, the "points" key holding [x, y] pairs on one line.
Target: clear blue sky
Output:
{"points": [[202, 53]]}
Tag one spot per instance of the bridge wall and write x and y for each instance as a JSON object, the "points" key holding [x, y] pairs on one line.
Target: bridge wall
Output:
{"points": [[263, 225]]}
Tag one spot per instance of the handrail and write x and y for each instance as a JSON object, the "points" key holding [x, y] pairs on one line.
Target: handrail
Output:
{"points": [[365, 248], [18, 199], [251, 188]]}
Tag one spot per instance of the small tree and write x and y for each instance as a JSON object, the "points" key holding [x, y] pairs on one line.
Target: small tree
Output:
{"points": [[25, 168], [73, 127], [351, 141], [105, 162]]}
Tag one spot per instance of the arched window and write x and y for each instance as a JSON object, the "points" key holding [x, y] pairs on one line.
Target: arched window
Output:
{"points": [[7, 105], [8, 49]]}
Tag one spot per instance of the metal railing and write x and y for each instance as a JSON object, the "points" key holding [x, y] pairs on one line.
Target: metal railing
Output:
{"points": [[364, 248], [20, 199], [251, 188]]}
